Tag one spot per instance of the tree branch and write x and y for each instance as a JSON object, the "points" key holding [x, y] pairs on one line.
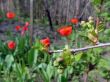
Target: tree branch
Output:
{"points": [[83, 11], [82, 49], [31, 21], [48, 14]]}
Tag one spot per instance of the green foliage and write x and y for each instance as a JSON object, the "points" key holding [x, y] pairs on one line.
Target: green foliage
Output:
{"points": [[104, 68], [33, 63], [96, 2]]}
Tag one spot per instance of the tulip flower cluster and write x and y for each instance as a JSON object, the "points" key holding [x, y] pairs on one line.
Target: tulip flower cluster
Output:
{"points": [[11, 15], [64, 31]]}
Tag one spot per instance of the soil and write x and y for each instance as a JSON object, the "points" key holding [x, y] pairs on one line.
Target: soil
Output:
{"points": [[38, 32]]}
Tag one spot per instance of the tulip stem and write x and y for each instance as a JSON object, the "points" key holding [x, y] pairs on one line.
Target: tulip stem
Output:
{"points": [[68, 40]]}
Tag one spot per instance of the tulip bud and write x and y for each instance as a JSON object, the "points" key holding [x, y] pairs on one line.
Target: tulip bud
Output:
{"points": [[83, 22], [60, 71], [55, 63]]}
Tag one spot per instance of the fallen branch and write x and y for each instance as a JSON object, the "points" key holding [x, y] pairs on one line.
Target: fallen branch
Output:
{"points": [[82, 49]]}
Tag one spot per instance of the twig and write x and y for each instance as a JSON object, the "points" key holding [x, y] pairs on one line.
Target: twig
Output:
{"points": [[82, 49], [2, 7], [84, 9]]}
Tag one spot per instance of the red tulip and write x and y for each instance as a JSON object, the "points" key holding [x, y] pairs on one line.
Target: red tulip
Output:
{"points": [[65, 30], [22, 33], [25, 28], [74, 21], [45, 42], [10, 15], [11, 45], [18, 28], [26, 24]]}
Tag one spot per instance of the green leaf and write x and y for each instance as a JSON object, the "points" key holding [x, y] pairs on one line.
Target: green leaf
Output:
{"points": [[43, 73], [32, 57], [78, 56], [100, 27], [70, 69], [96, 2], [107, 31], [67, 56], [50, 71], [9, 60], [18, 70], [62, 78], [104, 14], [104, 64], [98, 50], [21, 43]]}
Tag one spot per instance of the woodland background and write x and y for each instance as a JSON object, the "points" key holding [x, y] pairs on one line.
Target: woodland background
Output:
{"points": [[60, 10]]}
